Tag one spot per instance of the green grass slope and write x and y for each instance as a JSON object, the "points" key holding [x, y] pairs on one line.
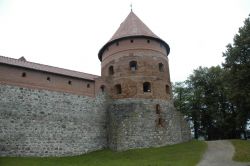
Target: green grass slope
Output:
{"points": [[242, 150], [187, 154]]}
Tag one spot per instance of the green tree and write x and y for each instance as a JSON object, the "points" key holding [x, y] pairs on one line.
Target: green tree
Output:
{"points": [[237, 67], [203, 99]]}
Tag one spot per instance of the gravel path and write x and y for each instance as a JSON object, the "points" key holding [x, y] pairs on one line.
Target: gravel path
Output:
{"points": [[220, 153]]}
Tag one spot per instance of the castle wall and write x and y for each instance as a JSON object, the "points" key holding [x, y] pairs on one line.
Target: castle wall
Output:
{"points": [[43, 80], [49, 111], [37, 122], [136, 123]]}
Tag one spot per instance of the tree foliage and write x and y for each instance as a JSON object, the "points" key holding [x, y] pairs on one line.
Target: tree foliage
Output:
{"points": [[203, 99], [237, 67]]}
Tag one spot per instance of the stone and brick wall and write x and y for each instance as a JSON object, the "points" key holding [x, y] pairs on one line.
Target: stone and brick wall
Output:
{"points": [[139, 118], [48, 114], [141, 123], [37, 122]]}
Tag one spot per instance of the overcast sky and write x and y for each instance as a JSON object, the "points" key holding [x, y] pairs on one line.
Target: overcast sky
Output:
{"points": [[69, 33]]}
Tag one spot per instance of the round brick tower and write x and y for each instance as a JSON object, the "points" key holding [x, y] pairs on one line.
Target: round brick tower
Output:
{"points": [[135, 71], [135, 62]]}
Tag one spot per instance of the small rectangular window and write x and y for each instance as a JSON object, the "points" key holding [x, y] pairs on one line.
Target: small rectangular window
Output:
{"points": [[133, 65], [23, 74], [111, 70], [146, 87], [118, 89], [161, 66]]}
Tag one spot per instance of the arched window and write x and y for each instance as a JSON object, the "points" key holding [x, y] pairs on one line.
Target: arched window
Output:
{"points": [[167, 89], [118, 89], [146, 87], [161, 67], [111, 70], [102, 88], [133, 65]]}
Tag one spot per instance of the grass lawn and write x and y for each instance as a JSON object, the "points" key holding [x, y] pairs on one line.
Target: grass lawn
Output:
{"points": [[242, 150], [184, 154]]}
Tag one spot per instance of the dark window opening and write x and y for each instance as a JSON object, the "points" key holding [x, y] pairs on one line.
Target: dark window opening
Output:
{"points": [[117, 43], [167, 89], [23, 74], [111, 70], [146, 87], [102, 88], [118, 89], [69, 82], [160, 122], [133, 65], [88, 85], [161, 67], [158, 109], [148, 41], [131, 41], [48, 78]]}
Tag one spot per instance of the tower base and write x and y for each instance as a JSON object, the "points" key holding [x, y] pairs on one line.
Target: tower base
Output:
{"points": [[141, 123]]}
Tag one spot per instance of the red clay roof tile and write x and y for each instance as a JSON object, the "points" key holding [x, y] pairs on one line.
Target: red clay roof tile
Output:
{"points": [[132, 26]]}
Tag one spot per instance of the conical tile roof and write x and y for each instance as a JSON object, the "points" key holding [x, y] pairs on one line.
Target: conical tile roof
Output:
{"points": [[132, 26]]}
